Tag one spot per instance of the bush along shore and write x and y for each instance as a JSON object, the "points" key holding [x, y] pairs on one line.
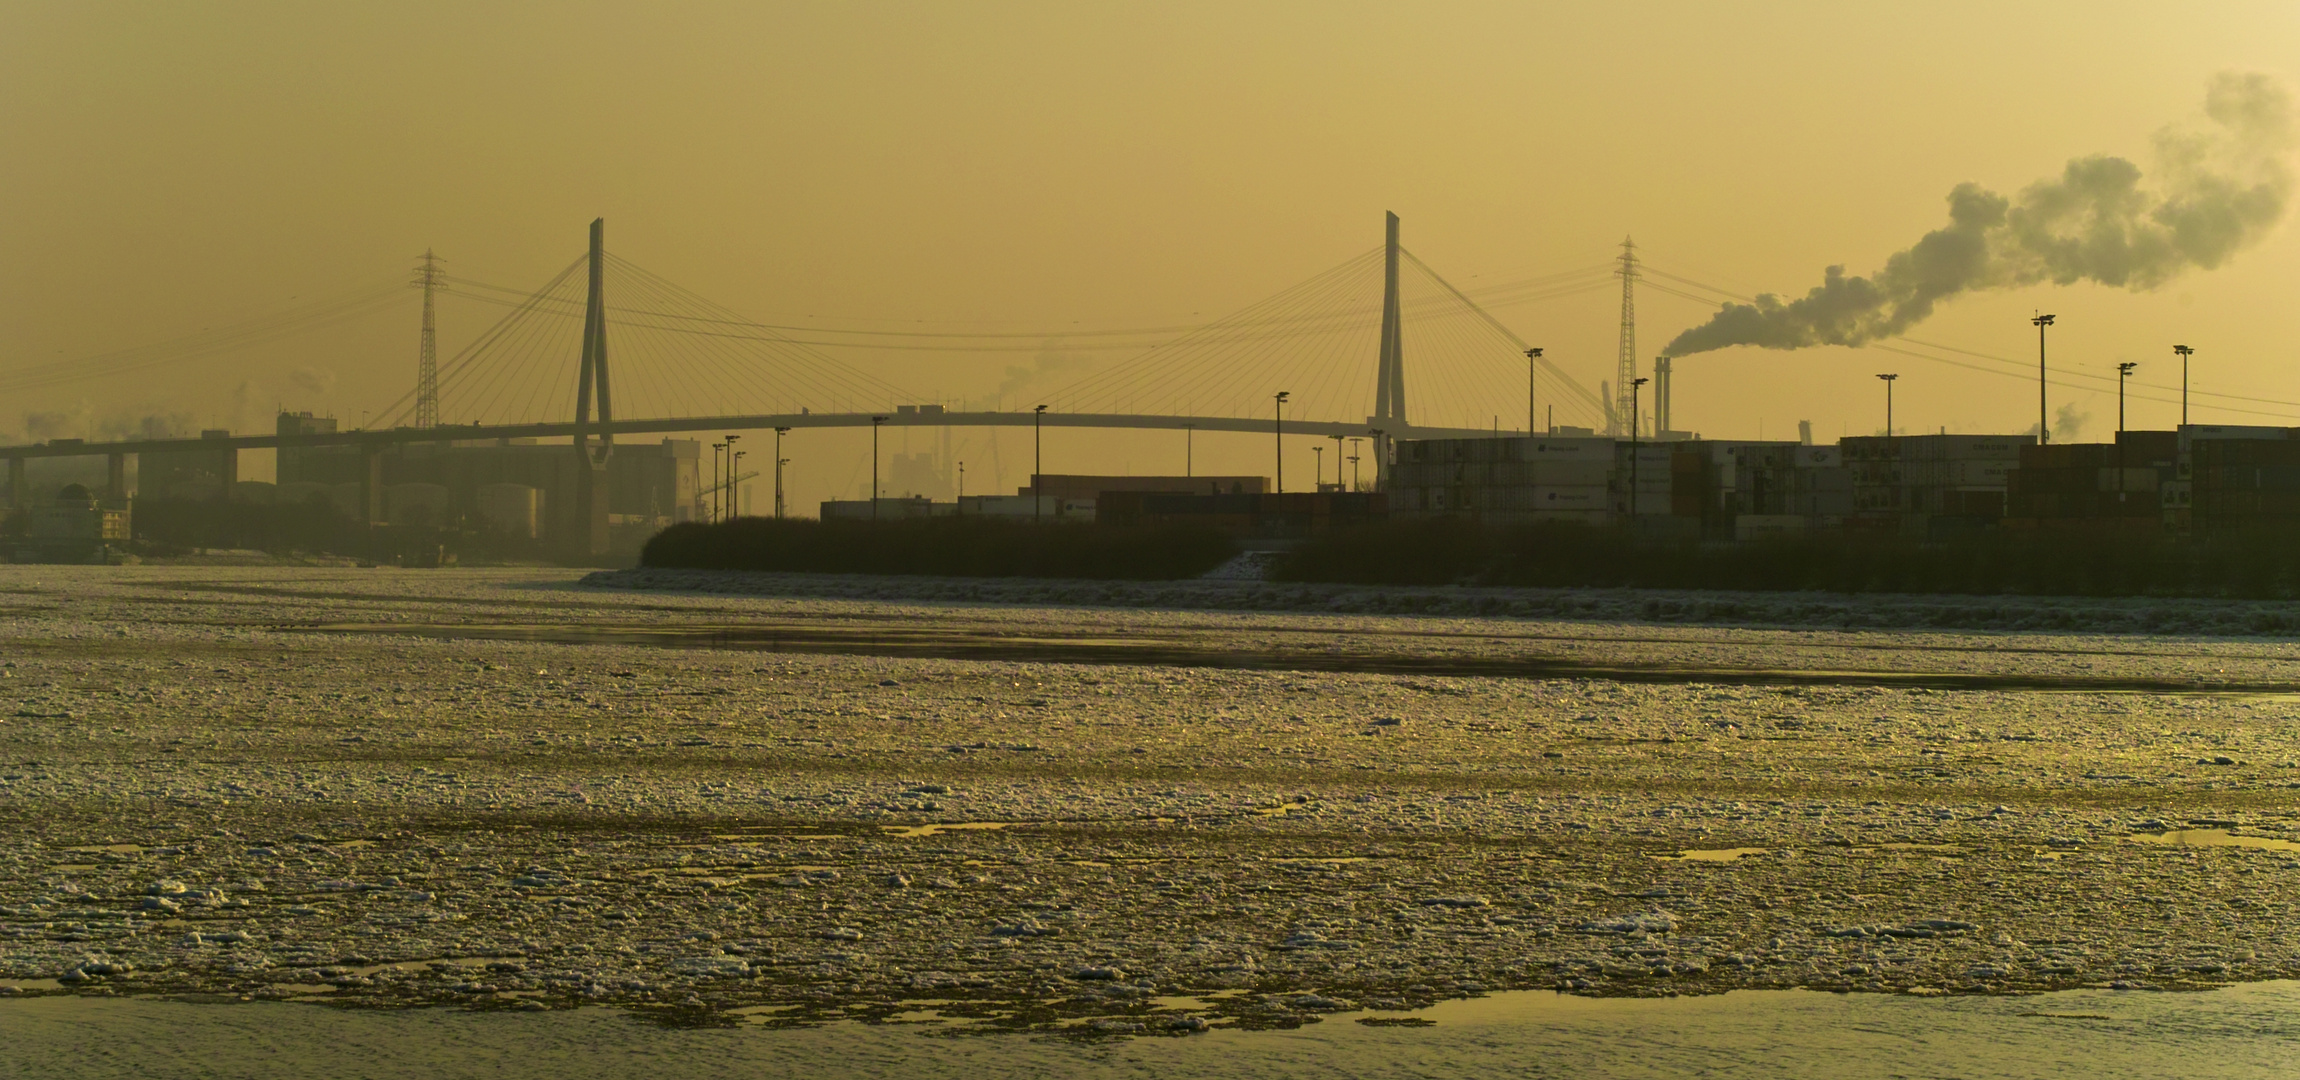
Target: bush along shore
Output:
{"points": [[947, 547], [1437, 551]]}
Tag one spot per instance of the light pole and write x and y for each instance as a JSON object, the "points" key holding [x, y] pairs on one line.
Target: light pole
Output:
{"points": [[1532, 365], [1354, 484], [1338, 463], [1189, 449], [735, 484], [716, 449], [1037, 462], [1278, 425], [1889, 402], [2043, 419], [962, 480], [728, 501], [1318, 457], [780, 461], [2184, 352], [2123, 372], [1634, 386], [874, 426]]}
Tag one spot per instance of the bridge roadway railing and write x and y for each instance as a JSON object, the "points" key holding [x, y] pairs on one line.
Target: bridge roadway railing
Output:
{"points": [[378, 438]]}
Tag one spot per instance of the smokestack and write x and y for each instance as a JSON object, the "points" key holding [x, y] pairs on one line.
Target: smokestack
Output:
{"points": [[2218, 189], [1661, 427]]}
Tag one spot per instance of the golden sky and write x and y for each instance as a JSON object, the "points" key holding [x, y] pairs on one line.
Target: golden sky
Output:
{"points": [[174, 167]]}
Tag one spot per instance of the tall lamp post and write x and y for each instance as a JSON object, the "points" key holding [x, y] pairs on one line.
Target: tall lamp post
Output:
{"points": [[780, 461], [2185, 352], [1037, 462], [1318, 456], [2043, 418], [1278, 425], [735, 484], [2123, 372], [1532, 365], [727, 499], [1189, 448], [1355, 485], [1889, 401], [1634, 386], [874, 426], [717, 448]]}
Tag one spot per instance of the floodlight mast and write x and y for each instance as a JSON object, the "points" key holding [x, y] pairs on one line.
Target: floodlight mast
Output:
{"points": [[2185, 352], [1532, 369], [2043, 418], [1037, 463], [1634, 423], [1278, 427], [2123, 372]]}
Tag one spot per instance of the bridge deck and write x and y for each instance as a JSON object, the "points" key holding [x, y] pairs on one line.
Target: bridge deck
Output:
{"points": [[676, 425]]}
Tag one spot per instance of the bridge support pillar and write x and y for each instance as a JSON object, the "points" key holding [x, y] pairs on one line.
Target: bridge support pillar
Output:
{"points": [[227, 472], [116, 479], [371, 487], [18, 496], [595, 510]]}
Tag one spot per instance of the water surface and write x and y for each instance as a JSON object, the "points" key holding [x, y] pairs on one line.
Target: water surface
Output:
{"points": [[2248, 1031]]}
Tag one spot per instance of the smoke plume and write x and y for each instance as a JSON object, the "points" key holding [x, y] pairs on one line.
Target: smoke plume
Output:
{"points": [[1050, 362], [313, 381], [2218, 188]]}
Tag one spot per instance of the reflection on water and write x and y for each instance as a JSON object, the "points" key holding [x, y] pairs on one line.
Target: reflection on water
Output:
{"points": [[2214, 838], [2248, 1031], [964, 641], [1713, 854], [913, 832]]}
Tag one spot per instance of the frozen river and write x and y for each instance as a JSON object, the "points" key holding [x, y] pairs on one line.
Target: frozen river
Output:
{"points": [[1238, 819], [2244, 1033]]}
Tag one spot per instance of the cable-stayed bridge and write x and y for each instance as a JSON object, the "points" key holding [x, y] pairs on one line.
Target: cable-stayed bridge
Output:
{"points": [[637, 354], [1379, 345]]}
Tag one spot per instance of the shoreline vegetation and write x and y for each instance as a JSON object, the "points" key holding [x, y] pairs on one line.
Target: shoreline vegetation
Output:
{"points": [[2258, 566], [942, 547], [2262, 565]]}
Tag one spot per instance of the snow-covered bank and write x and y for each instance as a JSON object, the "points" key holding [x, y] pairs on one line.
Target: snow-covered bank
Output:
{"points": [[2136, 615]]}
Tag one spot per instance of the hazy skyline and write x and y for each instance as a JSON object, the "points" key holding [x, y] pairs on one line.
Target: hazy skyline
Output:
{"points": [[1051, 167]]}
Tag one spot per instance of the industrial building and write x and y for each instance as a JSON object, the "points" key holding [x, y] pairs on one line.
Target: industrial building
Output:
{"points": [[1049, 509], [1265, 516], [517, 487], [2198, 480], [1077, 486], [1756, 490], [1530, 479], [78, 526]]}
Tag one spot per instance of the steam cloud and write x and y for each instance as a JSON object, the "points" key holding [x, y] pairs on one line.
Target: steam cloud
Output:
{"points": [[2220, 188], [1050, 361], [315, 381]]}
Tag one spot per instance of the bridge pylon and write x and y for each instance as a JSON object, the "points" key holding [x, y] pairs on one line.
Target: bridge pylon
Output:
{"points": [[1390, 372], [591, 481]]}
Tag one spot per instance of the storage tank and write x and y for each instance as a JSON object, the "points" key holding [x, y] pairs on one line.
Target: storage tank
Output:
{"points": [[299, 493], [350, 500], [415, 504], [512, 508]]}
